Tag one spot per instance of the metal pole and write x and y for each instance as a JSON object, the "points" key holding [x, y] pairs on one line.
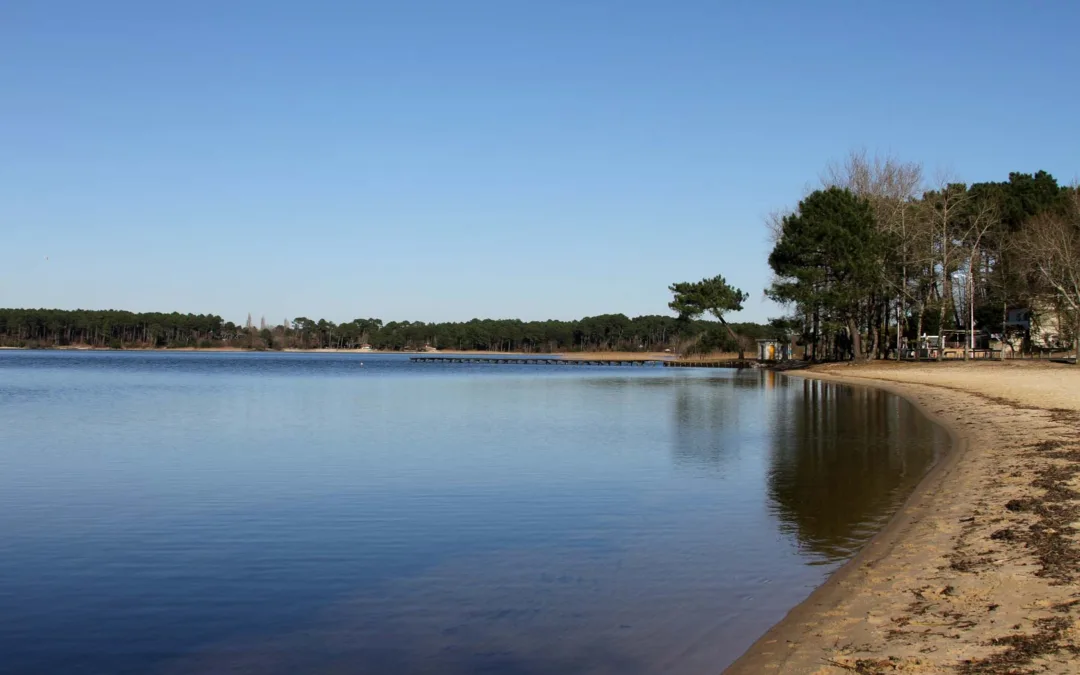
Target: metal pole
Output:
{"points": [[899, 318], [971, 317]]}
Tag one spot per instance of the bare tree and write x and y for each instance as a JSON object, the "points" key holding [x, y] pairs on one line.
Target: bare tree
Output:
{"points": [[891, 186], [943, 210], [1051, 247], [775, 223], [881, 178], [982, 216], [914, 250]]}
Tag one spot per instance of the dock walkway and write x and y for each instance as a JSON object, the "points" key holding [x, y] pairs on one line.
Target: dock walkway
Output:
{"points": [[555, 361]]}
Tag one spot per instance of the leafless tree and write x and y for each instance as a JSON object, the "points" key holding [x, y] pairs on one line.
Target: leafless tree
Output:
{"points": [[943, 208], [1051, 248], [881, 178], [891, 186], [775, 223], [982, 216]]}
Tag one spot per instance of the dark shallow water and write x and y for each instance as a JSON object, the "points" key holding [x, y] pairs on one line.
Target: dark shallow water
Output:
{"points": [[288, 513]]}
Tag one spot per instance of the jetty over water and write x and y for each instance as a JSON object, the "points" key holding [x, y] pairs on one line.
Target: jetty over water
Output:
{"points": [[717, 363], [555, 361]]}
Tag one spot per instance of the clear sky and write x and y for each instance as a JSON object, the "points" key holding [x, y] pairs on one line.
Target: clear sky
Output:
{"points": [[435, 160]]}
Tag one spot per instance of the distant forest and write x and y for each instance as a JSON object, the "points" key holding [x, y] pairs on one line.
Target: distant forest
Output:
{"points": [[49, 328]]}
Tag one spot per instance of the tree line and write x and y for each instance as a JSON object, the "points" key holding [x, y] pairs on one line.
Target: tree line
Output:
{"points": [[878, 256], [47, 328]]}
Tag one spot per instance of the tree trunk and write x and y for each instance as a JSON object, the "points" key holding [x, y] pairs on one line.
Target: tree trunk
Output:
{"points": [[738, 342], [883, 327], [883, 323], [856, 340], [918, 331], [874, 332], [900, 320], [949, 292], [1004, 327], [900, 316], [1076, 338], [970, 337], [941, 331], [969, 348]]}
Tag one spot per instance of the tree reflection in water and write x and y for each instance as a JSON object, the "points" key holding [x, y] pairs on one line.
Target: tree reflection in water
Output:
{"points": [[842, 460], [712, 419]]}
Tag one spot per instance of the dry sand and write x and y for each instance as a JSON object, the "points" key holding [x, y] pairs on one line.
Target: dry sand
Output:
{"points": [[980, 571]]}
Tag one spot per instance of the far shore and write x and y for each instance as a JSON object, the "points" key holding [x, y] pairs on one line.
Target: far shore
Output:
{"points": [[979, 571], [611, 356], [328, 350]]}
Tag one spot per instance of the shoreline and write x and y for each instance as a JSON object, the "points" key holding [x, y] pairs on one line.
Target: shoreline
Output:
{"points": [[955, 582], [245, 350], [612, 356], [762, 655]]}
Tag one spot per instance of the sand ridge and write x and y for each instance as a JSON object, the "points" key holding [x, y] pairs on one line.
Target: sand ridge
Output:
{"points": [[980, 570]]}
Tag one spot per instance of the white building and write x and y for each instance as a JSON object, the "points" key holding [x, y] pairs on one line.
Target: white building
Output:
{"points": [[1041, 323]]}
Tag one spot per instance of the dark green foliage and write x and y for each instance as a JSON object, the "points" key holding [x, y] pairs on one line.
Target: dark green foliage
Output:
{"points": [[709, 296], [827, 251], [1024, 195], [1018, 199], [781, 329], [713, 339], [827, 257], [51, 328]]}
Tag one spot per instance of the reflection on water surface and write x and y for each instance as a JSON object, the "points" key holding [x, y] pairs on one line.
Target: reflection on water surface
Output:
{"points": [[280, 513]]}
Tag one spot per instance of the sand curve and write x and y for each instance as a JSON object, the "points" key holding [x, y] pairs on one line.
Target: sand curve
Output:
{"points": [[979, 571]]}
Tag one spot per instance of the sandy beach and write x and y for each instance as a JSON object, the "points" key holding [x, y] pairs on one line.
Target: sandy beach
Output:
{"points": [[979, 572]]}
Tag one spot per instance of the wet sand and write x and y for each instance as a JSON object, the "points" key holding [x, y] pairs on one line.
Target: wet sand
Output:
{"points": [[979, 572]]}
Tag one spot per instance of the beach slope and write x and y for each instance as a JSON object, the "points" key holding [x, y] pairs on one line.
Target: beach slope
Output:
{"points": [[979, 572]]}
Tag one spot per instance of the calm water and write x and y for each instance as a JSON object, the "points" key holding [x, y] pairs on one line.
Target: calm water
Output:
{"points": [[261, 513]]}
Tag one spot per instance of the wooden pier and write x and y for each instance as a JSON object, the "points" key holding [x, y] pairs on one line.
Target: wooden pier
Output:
{"points": [[723, 363], [554, 361], [536, 360]]}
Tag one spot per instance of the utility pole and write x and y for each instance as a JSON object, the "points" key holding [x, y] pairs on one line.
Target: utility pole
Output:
{"points": [[971, 314], [969, 278], [899, 328]]}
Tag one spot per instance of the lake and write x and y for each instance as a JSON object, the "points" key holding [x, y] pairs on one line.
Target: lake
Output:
{"points": [[341, 513]]}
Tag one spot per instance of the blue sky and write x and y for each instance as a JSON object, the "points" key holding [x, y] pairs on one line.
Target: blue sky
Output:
{"points": [[443, 160]]}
